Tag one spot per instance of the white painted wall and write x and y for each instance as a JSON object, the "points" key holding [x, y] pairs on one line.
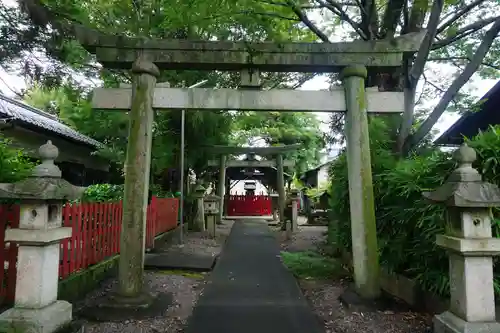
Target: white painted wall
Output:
{"points": [[323, 174], [239, 188]]}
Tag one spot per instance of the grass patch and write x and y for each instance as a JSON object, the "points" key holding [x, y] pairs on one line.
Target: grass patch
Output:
{"points": [[312, 265]]}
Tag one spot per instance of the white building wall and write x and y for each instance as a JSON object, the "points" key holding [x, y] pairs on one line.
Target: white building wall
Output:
{"points": [[323, 175], [239, 188]]}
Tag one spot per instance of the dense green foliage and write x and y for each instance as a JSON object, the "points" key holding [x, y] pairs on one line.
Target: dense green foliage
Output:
{"points": [[407, 225], [103, 193], [14, 163], [112, 193]]}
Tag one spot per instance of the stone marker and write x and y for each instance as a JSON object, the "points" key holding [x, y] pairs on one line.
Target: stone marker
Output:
{"points": [[199, 218], [41, 196], [468, 239], [212, 209], [295, 199]]}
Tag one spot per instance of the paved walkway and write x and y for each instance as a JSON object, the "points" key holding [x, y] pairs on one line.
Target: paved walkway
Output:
{"points": [[250, 291]]}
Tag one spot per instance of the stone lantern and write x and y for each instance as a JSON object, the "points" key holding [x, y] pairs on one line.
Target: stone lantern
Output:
{"points": [[41, 197], [292, 213], [211, 209], [468, 239], [274, 205], [199, 219]]}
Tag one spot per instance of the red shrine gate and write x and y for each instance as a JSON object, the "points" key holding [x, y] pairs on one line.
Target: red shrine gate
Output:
{"points": [[249, 205]]}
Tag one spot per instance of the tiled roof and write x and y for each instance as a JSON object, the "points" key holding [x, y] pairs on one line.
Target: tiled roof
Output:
{"points": [[479, 118], [24, 113]]}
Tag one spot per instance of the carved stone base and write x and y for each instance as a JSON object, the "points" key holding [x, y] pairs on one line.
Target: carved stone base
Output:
{"points": [[447, 322], [48, 319], [114, 307]]}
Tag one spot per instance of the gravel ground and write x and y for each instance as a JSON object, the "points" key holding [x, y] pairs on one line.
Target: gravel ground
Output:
{"points": [[185, 289], [324, 298], [307, 238]]}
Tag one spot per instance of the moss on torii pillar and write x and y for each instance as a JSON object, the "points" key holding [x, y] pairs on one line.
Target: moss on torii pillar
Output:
{"points": [[361, 200], [137, 170], [221, 187], [280, 184]]}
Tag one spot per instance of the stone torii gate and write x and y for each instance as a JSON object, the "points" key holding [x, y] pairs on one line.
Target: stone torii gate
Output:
{"points": [[278, 162], [145, 57]]}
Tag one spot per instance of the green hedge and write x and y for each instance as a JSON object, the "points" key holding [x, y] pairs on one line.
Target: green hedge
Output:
{"points": [[407, 225], [14, 163], [110, 192]]}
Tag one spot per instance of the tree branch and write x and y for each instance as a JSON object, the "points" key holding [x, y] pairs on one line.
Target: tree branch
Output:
{"points": [[337, 9], [418, 66], [416, 72], [284, 4], [464, 32], [461, 12], [303, 17], [369, 18], [464, 58], [455, 87], [417, 15], [246, 12], [390, 21]]}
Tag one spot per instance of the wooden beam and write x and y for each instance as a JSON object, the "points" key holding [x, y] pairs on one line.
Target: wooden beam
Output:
{"points": [[174, 54], [245, 164], [249, 100], [273, 150]]}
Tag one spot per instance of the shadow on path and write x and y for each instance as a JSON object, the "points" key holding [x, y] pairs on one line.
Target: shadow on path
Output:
{"points": [[250, 291]]}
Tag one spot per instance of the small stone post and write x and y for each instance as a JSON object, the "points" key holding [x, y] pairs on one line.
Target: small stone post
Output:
{"points": [[468, 239], [280, 183], [199, 218], [138, 162], [221, 190], [41, 196], [295, 198], [274, 205], [211, 209], [363, 224]]}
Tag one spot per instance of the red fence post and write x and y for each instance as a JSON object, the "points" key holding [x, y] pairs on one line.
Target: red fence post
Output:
{"points": [[10, 219]]}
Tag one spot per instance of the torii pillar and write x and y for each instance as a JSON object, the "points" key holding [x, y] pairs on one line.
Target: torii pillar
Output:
{"points": [[221, 186], [280, 184]]}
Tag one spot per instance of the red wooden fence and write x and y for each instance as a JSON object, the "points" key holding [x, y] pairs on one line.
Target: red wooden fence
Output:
{"points": [[95, 236], [9, 217], [249, 205]]}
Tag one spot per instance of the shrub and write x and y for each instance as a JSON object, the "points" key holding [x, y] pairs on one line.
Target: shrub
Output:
{"points": [[309, 265], [110, 192], [103, 193], [14, 163], [407, 224]]}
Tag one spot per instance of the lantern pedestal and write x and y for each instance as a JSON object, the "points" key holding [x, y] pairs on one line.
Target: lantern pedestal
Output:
{"points": [[468, 240], [44, 320]]}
